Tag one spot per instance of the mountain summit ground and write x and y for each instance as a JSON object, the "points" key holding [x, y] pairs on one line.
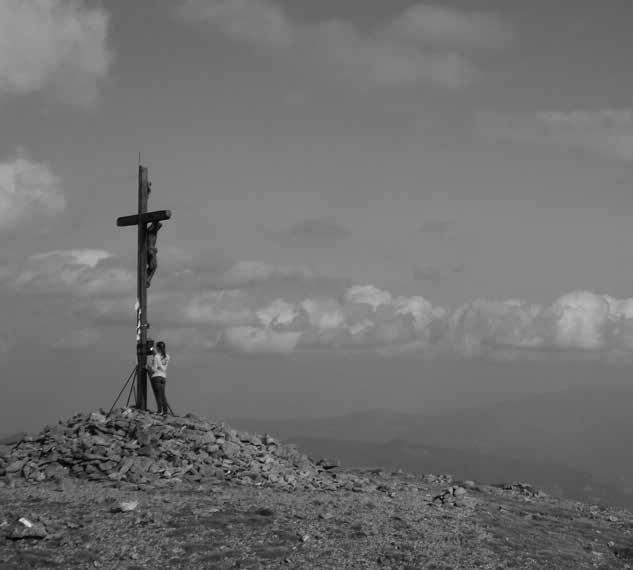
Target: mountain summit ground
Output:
{"points": [[137, 490]]}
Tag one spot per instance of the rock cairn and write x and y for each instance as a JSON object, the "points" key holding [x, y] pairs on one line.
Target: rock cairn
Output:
{"points": [[143, 448], [523, 489], [455, 495]]}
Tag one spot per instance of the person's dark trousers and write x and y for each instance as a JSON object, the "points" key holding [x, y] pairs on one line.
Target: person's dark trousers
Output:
{"points": [[158, 386], [163, 385]]}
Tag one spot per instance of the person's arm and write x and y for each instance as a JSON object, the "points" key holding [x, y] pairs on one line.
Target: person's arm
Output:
{"points": [[153, 365]]}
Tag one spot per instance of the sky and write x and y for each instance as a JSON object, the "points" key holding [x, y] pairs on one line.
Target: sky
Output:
{"points": [[359, 190]]}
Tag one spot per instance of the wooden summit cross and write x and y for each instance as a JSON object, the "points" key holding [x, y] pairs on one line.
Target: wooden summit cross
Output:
{"points": [[145, 236]]}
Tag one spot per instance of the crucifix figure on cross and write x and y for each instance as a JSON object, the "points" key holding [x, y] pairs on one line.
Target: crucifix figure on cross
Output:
{"points": [[148, 224], [152, 250]]}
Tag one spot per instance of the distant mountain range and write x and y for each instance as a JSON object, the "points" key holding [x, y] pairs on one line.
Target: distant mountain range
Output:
{"points": [[554, 478], [571, 443]]}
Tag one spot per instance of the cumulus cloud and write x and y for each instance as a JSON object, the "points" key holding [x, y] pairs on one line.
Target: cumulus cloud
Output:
{"points": [[53, 43], [82, 272], [422, 44], [384, 61], [605, 132], [360, 317], [30, 194], [369, 295], [257, 22], [439, 25], [349, 322], [218, 308], [483, 325], [323, 314], [579, 321], [365, 317], [278, 314]]}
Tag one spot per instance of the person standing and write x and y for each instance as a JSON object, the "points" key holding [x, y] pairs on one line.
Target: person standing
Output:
{"points": [[158, 377]]}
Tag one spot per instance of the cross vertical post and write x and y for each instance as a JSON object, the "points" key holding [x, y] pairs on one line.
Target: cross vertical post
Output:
{"points": [[141, 292], [146, 243]]}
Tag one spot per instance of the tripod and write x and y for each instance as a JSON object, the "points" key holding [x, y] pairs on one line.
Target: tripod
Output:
{"points": [[132, 378]]}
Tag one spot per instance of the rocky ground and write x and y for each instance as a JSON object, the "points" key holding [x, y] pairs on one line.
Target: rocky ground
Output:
{"points": [[89, 493]]}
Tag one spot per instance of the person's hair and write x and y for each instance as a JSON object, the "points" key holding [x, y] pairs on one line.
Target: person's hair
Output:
{"points": [[160, 345]]}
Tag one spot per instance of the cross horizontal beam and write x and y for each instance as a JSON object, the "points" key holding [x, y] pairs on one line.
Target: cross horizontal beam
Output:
{"points": [[147, 218]]}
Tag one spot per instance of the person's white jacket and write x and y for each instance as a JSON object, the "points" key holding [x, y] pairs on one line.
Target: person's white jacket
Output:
{"points": [[159, 365]]}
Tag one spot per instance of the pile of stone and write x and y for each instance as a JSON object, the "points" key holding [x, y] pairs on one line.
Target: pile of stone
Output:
{"points": [[454, 496], [443, 479], [523, 489], [144, 448]]}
